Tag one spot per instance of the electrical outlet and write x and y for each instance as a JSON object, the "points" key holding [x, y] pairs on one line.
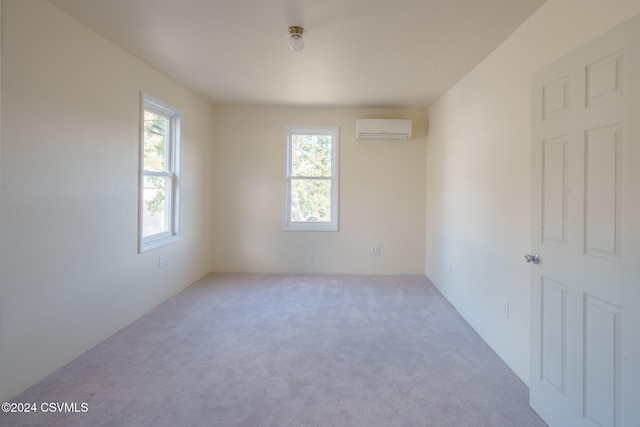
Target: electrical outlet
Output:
{"points": [[375, 250], [505, 309], [450, 266], [161, 261]]}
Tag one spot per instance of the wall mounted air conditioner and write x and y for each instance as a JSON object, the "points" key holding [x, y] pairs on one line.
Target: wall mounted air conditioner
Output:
{"points": [[383, 129]]}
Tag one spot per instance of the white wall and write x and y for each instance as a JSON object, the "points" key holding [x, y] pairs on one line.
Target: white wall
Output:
{"points": [[70, 275], [479, 173], [382, 195]]}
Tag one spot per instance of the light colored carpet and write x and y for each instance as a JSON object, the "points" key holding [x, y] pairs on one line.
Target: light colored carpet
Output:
{"points": [[275, 350]]}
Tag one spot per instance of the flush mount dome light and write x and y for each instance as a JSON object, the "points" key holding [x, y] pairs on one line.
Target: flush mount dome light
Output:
{"points": [[296, 39]]}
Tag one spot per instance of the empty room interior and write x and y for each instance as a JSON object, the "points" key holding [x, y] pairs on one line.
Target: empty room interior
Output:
{"points": [[199, 227]]}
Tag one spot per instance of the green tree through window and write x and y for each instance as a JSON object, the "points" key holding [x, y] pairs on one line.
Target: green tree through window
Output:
{"points": [[159, 187], [311, 158], [155, 143], [311, 193]]}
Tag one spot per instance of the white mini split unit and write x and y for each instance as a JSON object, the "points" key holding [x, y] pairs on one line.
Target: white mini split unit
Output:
{"points": [[383, 129]]}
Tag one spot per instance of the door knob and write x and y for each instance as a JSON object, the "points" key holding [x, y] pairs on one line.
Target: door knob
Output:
{"points": [[535, 258]]}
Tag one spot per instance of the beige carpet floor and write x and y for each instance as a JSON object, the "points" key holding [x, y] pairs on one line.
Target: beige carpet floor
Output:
{"points": [[278, 350]]}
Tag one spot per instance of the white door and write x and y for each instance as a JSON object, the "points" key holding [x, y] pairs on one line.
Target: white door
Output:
{"points": [[585, 290]]}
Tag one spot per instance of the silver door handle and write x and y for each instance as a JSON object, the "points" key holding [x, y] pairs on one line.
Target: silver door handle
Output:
{"points": [[535, 258]]}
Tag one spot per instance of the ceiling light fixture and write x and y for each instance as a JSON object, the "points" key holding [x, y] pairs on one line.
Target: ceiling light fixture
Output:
{"points": [[296, 39]]}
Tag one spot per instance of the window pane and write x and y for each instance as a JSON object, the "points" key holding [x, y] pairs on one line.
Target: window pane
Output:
{"points": [[311, 200], [155, 215], [311, 155], [156, 128]]}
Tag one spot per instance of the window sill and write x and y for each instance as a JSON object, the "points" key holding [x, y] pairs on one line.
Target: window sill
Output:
{"points": [[310, 226], [149, 245]]}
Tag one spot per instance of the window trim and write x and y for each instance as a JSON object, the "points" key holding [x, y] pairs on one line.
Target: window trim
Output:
{"points": [[172, 172], [333, 225]]}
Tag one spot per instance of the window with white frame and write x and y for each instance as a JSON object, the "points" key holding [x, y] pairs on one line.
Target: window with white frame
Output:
{"points": [[159, 174], [311, 184]]}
